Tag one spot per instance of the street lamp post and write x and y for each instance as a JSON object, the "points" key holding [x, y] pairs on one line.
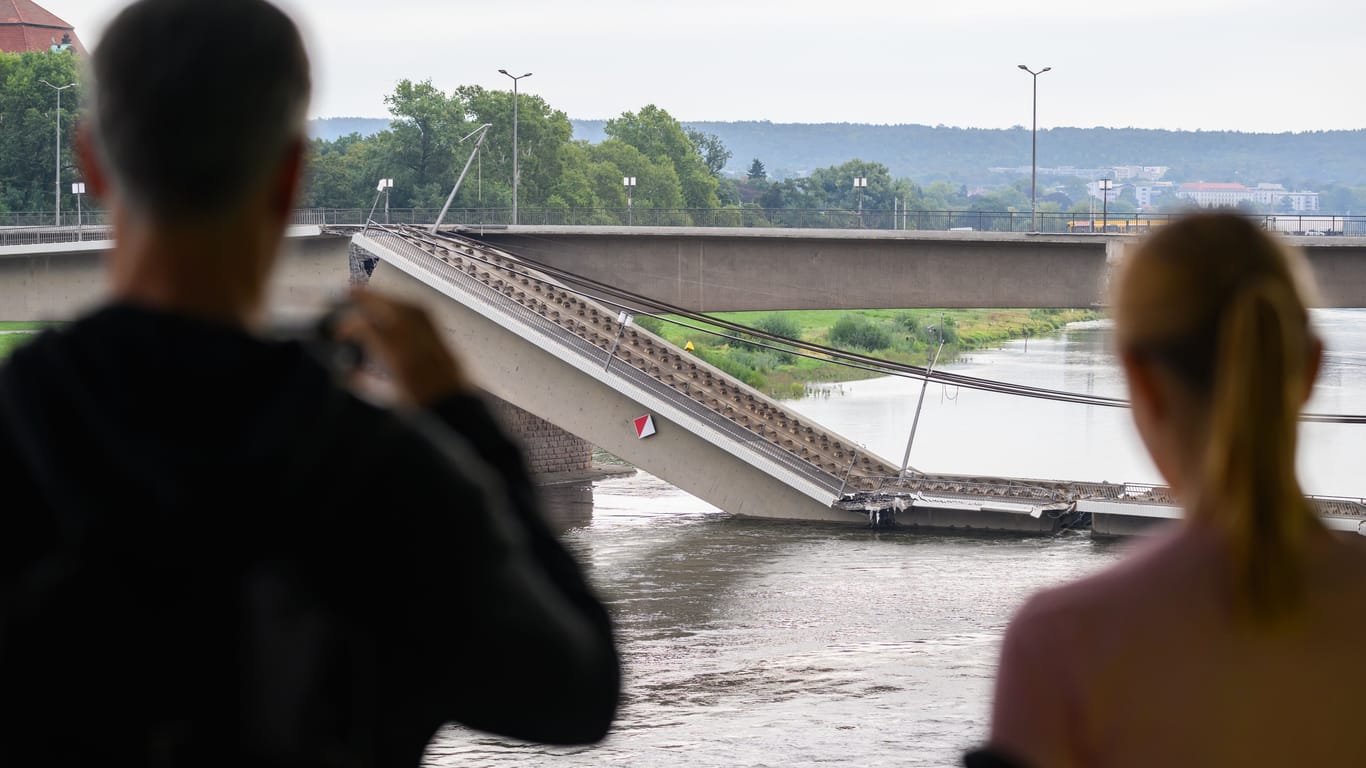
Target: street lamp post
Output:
{"points": [[57, 176], [1034, 152], [860, 183], [516, 171], [630, 183]]}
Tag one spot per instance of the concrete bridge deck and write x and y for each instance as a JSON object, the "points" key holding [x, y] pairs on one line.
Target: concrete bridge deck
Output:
{"points": [[716, 269]]}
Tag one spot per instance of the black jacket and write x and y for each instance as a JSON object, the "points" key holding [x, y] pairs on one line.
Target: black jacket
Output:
{"points": [[210, 554]]}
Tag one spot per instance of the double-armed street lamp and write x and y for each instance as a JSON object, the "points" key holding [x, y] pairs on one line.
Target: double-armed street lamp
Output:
{"points": [[630, 183], [515, 170], [1034, 153], [57, 176], [860, 183]]}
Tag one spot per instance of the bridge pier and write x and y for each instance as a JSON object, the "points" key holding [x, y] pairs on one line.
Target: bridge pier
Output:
{"points": [[549, 451]]}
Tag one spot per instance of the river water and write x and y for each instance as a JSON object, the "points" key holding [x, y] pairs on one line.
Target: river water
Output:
{"points": [[752, 643]]}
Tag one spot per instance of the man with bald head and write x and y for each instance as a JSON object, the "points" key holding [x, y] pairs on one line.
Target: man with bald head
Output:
{"points": [[213, 553]]}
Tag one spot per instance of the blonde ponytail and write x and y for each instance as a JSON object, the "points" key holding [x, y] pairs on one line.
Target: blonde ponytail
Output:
{"points": [[1222, 306], [1250, 488]]}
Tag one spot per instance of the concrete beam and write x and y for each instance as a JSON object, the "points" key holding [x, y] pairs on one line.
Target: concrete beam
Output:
{"points": [[60, 281], [710, 270], [713, 269]]}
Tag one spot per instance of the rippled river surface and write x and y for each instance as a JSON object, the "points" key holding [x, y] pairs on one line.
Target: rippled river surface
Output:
{"points": [[754, 643]]}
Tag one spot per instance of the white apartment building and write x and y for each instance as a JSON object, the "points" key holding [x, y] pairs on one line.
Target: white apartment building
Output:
{"points": [[1150, 194]]}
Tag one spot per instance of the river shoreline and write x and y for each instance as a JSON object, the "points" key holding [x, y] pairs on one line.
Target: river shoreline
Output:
{"points": [[908, 337]]}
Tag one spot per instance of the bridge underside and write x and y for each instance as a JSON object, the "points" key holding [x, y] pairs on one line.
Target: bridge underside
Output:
{"points": [[717, 270]]}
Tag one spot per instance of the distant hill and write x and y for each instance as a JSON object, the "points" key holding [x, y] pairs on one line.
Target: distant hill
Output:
{"points": [[333, 128], [964, 155], [929, 153]]}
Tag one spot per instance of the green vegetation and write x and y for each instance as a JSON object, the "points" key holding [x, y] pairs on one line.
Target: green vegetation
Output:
{"points": [[905, 336], [13, 334], [421, 150]]}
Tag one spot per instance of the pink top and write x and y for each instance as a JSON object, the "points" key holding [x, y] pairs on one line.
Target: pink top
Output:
{"points": [[1144, 665]]}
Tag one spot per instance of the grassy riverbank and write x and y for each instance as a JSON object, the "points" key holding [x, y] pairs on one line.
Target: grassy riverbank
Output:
{"points": [[13, 334], [904, 336]]}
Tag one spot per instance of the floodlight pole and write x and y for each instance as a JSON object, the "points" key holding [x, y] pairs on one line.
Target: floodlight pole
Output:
{"points": [[860, 183], [78, 189], [630, 183], [382, 188]]}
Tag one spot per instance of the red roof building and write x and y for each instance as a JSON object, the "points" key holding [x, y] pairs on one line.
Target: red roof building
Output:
{"points": [[26, 26]]}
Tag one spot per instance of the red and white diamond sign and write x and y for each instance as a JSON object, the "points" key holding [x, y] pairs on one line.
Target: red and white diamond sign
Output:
{"points": [[645, 426]]}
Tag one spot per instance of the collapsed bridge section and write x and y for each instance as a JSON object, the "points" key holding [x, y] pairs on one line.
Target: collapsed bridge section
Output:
{"points": [[573, 360]]}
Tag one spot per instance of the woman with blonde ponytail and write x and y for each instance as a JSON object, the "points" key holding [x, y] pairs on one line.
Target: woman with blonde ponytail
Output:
{"points": [[1237, 638]]}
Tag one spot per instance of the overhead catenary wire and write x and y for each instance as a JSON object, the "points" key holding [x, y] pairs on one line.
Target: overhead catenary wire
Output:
{"points": [[639, 304]]}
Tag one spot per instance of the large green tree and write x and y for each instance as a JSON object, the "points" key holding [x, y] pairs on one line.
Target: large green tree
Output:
{"points": [[660, 137], [28, 114]]}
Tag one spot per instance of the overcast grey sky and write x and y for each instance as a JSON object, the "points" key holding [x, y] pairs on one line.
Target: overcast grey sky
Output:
{"points": [[1252, 65]]}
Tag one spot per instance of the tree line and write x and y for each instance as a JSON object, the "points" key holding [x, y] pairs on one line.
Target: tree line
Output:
{"points": [[676, 166], [423, 152]]}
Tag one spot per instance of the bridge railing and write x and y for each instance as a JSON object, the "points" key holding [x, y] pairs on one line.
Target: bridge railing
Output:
{"points": [[829, 218], [37, 227]]}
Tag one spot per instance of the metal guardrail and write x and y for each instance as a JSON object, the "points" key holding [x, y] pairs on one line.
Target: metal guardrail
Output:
{"points": [[749, 217]]}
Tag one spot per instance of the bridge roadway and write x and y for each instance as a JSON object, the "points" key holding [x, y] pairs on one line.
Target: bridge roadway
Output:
{"points": [[716, 269], [58, 280]]}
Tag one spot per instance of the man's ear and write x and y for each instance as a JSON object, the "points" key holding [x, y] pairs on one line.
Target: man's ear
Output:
{"points": [[96, 180], [288, 177]]}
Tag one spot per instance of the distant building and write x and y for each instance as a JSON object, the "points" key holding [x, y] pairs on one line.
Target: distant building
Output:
{"points": [[1147, 172], [1209, 195], [27, 27], [1150, 194]]}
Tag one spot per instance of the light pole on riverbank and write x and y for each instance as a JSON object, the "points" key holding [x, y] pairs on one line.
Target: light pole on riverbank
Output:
{"points": [[515, 160], [57, 183], [1034, 153]]}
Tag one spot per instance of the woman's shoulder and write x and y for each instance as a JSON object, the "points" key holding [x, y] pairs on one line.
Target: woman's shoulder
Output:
{"points": [[1152, 569]]}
